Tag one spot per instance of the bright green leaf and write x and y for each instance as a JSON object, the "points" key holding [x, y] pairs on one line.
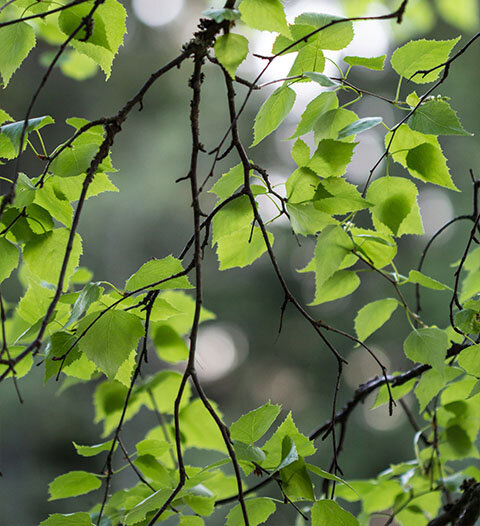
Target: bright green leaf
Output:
{"points": [[16, 42], [436, 117], [318, 106], [373, 316], [321, 79], [414, 276], [427, 346], [265, 15], [273, 112], [251, 427], [9, 258], [419, 55], [331, 158], [327, 511], [73, 484], [258, 510], [367, 62], [91, 451], [72, 519], [44, 255], [157, 270], [231, 50], [13, 131], [111, 339], [396, 208]]}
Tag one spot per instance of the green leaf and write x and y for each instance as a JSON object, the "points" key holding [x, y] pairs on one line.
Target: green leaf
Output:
{"points": [[468, 359], [426, 162], [306, 219], [153, 447], [328, 125], [289, 453], [433, 168], [25, 191], [273, 112], [169, 345], [219, 15], [77, 66], [309, 58], [44, 255], [9, 258], [75, 160], [333, 245], [114, 16], [241, 248], [341, 284], [336, 196], [22, 368], [468, 321], [359, 126], [327, 511], [331, 158], [258, 510], [431, 383], [367, 62], [73, 484], [72, 519], [13, 131], [91, 451], [153, 502], [16, 42], [321, 79], [462, 14], [199, 428], [373, 316], [109, 342], [395, 206], [414, 276], [157, 270], [191, 520], [436, 117], [419, 55], [248, 452], [300, 152], [318, 106], [397, 392], [251, 427], [326, 475], [60, 343], [231, 50], [265, 15], [273, 448], [296, 482], [89, 294], [427, 346], [70, 19], [228, 183], [334, 37]]}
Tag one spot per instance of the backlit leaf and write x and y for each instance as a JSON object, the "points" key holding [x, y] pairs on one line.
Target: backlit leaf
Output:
{"points": [[73, 484], [427, 346], [111, 339], [367, 62], [231, 50], [273, 112], [251, 427], [373, 316], [422, 55], [265, 15], [157, 270]]}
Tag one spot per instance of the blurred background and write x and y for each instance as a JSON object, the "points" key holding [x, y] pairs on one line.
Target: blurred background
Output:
{"points": [[241, 361]]}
